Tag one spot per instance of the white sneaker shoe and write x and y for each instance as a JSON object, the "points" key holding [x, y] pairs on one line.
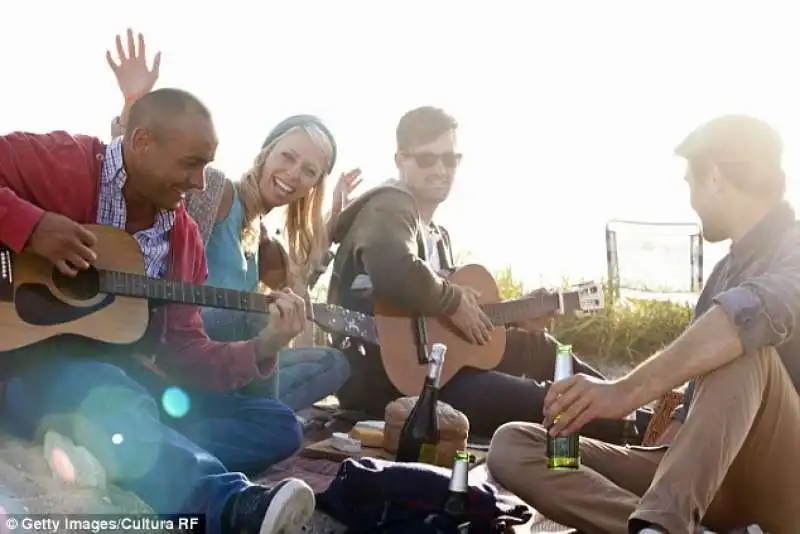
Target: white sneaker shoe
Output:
{"points": [[284, 508], [291, 507], [71, 464]]}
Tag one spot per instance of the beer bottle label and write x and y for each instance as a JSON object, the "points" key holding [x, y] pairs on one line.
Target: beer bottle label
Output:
{"points": [[427, 454], [563, 452]]}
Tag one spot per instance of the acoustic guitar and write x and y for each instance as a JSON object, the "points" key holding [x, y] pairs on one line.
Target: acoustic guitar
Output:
{"points": [[394, 328], [109, 301]]}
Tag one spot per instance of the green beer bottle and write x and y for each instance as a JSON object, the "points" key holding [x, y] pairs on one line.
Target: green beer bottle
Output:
{"points": [[563, 453], [456, 503]]}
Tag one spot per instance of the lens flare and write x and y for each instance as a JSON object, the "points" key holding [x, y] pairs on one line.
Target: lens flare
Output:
{"points": [[176, 402], [62, 466]]}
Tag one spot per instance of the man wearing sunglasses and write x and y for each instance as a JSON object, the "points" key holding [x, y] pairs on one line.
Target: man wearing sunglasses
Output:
{"points": [[390, 246]]}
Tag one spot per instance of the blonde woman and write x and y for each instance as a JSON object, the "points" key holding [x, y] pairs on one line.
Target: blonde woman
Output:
{"points": [[290, 170]]}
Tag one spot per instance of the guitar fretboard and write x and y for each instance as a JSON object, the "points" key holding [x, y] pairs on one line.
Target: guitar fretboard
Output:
{"points": [[134, 285], [513, 311]]}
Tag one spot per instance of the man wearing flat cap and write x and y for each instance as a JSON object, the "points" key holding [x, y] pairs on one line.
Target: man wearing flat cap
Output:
{"points": [[730, 456]]}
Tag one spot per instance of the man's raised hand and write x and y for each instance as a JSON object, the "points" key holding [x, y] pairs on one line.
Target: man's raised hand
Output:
{"points": [[134, 78]]}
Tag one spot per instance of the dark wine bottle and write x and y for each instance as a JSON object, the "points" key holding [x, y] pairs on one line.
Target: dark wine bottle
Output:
{"points": [[419, 438], [563, 452], [456, 503]]}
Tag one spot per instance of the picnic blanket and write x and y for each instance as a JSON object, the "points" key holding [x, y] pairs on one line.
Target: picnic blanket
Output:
{"points": [[319, 473]]}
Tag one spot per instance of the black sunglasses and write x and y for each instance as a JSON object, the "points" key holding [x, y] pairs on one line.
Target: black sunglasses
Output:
{"points": [[425, 160]]}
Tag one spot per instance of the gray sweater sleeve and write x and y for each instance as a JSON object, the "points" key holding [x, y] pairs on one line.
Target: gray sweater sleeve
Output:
{"points": [[203, 205], [116, 128]]}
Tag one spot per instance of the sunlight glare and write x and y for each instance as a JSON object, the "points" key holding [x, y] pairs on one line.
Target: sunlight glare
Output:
{"points": [[176, 402], [62, 466]]}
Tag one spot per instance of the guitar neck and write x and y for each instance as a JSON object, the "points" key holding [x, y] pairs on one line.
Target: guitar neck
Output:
{"points": [[331, 318], [174, 292], [514, 311]]}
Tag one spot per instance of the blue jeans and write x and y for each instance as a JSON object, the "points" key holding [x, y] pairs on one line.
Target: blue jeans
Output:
{"points": [[303, 376], [180, 463]]}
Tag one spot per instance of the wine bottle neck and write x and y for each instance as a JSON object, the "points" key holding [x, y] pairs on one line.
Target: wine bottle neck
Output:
{"points": [[434, 373], [429, 390]]}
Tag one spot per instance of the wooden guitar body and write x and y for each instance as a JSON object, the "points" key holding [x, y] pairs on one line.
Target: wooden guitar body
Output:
{"points": [[398, 340], [110, 301], [48, 304]]}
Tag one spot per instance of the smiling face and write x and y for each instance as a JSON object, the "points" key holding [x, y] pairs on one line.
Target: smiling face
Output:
{"points": [[429, 169], [295, 164], [167, 164], [426, 155]]}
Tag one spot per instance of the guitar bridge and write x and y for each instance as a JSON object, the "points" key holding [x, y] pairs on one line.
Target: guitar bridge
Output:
{"points": [[6, 275]]}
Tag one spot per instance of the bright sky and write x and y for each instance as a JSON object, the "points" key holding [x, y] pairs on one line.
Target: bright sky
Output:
{"points": [[569, 110]]}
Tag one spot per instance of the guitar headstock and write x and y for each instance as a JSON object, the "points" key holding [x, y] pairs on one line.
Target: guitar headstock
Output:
{"points": [[591, 297], [337, 320]]}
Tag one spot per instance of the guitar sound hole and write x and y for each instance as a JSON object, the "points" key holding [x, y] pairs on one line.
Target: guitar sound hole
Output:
{"points": [[84, 286]]}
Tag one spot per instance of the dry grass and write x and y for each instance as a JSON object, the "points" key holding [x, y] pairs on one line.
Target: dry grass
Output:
{"points": [[625, 333], [622, 334]]}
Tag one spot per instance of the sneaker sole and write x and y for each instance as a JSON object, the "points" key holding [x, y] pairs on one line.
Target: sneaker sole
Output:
{"points": [[87, 469], [291, 509]]}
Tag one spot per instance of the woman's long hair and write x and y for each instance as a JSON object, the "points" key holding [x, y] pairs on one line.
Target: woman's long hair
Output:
{"points": [[306, 235]]}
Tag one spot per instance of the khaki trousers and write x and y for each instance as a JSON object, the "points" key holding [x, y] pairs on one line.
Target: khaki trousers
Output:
{"points": [[735, 462]]}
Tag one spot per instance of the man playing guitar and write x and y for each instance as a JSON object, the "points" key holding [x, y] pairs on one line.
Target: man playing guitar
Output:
{"points": [[181, 444], [391, 249]]}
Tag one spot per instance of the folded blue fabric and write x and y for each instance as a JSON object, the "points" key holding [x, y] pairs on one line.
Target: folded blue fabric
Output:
{"points": [[379, 496]]}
